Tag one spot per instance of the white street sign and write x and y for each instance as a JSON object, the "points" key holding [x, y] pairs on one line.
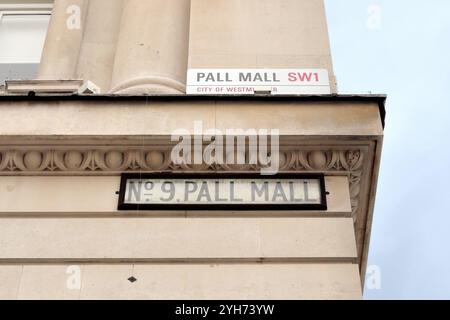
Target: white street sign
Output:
{"points": [[249, 81]]}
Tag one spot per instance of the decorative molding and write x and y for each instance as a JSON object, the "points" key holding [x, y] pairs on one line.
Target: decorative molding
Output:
{"points": [[114, 160]]}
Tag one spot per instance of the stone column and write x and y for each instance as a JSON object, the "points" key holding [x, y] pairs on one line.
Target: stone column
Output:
{"points": [[152, 49], [96, 60], [62, 45], [260, 34]]}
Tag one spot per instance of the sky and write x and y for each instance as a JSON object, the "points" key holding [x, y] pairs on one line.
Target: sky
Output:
{"points": [[402, 48]]}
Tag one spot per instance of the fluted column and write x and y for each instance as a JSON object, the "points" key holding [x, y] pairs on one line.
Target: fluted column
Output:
{"points": [[152, 49], [96, 60], [62, 45]]}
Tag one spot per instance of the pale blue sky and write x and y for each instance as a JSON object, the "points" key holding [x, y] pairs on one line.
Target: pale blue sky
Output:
{"points": [[408, 58]]}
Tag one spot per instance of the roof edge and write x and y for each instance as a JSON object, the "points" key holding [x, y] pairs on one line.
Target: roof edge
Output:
{"points": [[379, 99]]}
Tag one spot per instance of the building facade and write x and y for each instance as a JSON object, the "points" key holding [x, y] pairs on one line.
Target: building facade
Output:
{"points": [[110, 92]]}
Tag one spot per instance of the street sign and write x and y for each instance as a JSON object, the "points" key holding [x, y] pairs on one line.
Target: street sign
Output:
{"points": [[250, 81], [222, 192]]}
